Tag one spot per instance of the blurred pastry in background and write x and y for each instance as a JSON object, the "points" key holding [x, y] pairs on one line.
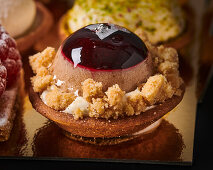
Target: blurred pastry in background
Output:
{"points": [[24, 20], [10, 69], [163, 21], [182, 2], [17, 16]]}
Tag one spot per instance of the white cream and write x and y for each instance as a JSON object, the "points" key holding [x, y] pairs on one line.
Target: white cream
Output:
{"points": [[148, 129], [78, 103], [150, 107], [132, 92], [59, 82], [3, 121], [43, 96], [76, 93]]}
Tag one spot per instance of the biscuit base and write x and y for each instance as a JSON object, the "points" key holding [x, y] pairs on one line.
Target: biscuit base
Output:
{"points": [[100, 127], [112, 141]]}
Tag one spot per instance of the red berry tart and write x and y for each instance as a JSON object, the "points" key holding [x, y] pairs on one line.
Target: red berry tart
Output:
{"points": [[10, 66]]}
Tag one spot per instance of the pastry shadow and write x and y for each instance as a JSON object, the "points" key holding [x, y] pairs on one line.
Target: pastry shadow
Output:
{"points": [[164, 144]]}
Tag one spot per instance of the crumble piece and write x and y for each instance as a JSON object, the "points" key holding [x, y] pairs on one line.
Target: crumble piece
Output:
{"points": [[97, 107], [167, 54], [58, 100], [157, 89], [128, 109], [42, 59], [91, 89], [115, 96], [168, 67], [41, 83], [135, 99], [174, 79], [42, 71]]}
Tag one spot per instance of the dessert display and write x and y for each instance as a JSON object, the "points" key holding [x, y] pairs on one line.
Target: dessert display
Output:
{"points": [[10, 66], [163, 21], [25, 20], [106, 82]]}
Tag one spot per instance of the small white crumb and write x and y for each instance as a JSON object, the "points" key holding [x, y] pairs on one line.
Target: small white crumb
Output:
{"points": [[59, 83], [76, 93]]}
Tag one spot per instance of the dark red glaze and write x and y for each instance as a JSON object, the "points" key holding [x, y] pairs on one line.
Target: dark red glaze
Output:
{"points": [[104, 47]]}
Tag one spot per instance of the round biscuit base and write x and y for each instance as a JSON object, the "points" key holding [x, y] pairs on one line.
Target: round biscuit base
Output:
{"points": [[102, 128]]}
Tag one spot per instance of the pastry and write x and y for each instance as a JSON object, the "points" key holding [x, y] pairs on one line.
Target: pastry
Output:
{"points": [[25, 20], [162, 20], [10, 66], [105, 82], [17, 16]]}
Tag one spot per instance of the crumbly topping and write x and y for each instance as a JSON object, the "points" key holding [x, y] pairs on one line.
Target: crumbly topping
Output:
{"points": [[113, 103], [91, 89], [157, 89], [135, 101], [41, 82], [160, 19], [43, 59], [57, 99]]}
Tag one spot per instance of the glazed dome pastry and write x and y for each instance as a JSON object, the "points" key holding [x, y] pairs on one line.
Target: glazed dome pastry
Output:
{"points": [[105, 82], [10, 66], [161, 20]]}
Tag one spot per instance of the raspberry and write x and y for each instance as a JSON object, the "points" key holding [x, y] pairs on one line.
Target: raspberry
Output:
{"points": [[9, 56], [3, 76]]}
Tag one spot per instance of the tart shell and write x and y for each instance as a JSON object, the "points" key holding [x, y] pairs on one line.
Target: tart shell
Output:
{"points": [[102, 128], [178, 43], [42, 23]]}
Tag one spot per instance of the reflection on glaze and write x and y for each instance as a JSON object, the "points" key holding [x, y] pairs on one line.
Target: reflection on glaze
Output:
{"points": [[76, 56], [105, 30]]}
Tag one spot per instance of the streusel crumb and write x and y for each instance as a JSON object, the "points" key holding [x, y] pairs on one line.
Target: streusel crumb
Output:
{"points": [[41, 83], [58, 100], [42, 59], [91, 89], [97, 107], [136, 100], [115, 96], [154, 89]]}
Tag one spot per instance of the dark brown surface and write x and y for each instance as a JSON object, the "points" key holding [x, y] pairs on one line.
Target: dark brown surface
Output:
{"points": [[187, 36], [164, 144], [92, 127], [206, 51]]}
